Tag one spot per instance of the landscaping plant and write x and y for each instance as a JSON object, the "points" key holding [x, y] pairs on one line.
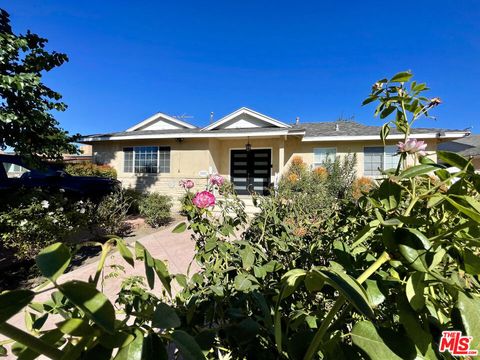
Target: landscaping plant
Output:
{"points": [[155, 208], [380, 278], [91, 169]]}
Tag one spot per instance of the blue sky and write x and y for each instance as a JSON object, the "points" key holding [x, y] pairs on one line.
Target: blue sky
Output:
{"points": [[312, 59]]}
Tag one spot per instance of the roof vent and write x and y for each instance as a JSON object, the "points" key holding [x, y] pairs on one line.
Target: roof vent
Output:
{"points": [[211, 117], [297, 120], [337, 128]]}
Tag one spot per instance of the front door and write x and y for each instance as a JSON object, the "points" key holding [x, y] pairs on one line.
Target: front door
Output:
{"points": [[250, 171]]}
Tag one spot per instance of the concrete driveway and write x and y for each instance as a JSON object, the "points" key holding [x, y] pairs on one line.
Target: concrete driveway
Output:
{"points": [[176, 250]]}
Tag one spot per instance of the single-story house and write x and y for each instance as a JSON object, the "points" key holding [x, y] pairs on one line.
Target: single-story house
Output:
{"points": [[468, 147], [250, 149]]}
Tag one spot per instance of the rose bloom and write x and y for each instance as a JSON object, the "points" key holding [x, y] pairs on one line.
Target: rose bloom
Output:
{"points": [[412, 146], [217, 180], [187, 184], [204, 199]]}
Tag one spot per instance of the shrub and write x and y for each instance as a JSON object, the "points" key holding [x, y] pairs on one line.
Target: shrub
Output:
{"points": [[37, 219], [91, 169], [362, 186], [109, 215], [156, 209], [134, 198]]}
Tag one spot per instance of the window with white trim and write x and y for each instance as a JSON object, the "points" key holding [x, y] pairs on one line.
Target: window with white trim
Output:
{"points": [[379, 157], [146, 159], [323, 155]]}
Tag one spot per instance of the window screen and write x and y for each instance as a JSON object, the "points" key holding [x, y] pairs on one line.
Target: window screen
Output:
{"points": [[373, 159], [323, 155]]}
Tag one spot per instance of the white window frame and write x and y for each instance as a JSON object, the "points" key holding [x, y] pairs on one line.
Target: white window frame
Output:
{"points": [[328, 152], [158, 159]]}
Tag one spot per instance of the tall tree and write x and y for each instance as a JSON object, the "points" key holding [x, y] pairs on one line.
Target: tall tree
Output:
{"points": [[27, 123]]}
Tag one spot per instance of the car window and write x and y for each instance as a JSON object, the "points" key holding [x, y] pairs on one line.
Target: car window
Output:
{"points": [[14, 170]]}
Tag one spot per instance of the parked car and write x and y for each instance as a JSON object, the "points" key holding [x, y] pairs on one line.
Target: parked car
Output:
{"points": [[15, 174]]}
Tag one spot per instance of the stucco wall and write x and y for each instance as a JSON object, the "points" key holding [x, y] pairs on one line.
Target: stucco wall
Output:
{"points": [[192, 156], [187, 159], [295, 147]]}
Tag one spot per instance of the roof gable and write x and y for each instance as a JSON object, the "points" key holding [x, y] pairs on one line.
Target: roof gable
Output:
{"points": [[245, 118], [161, 121]]}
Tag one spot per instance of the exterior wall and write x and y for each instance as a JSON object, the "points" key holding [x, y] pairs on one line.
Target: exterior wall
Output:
{"points": [[295, 147], [195, 158], [187, 160]]}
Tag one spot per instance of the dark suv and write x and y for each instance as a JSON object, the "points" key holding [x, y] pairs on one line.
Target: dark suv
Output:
{"points": [[16, 174]]}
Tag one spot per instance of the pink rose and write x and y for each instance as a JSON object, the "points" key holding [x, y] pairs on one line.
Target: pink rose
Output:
{"points": [[412, 146], [204, 199], [217, 180], [187, 184]]}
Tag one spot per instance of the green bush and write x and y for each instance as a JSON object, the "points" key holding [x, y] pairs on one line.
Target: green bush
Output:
{"points": [[109, 215], [91, 169], [134, 198], [156, 209], [36, 219]]}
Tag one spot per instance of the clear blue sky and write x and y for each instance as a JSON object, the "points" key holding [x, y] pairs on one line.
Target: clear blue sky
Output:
{"points": [[313, 59]]}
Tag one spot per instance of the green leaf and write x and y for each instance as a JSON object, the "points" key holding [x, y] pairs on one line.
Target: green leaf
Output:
{"points": [[349, 288], [187, 346], [365, 233], [50, 337], [53, 260], [468, 308], [418, 170], [11, 302], [374, 293], [118, 340], [124, 251], [455, 160], [414, 290], [414, 328], [163, 274], [92, 302], [471, 213], [387, 111], [471, 261], [242, 283], [165, 317], [290, 280], [154, 348], [133, 351], [403, 76], [248, 258], [382, 343], [181, 227], [75, 327], [389, 194]]}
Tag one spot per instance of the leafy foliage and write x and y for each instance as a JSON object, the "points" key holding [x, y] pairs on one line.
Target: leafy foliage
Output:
{"points": [[26, 120], [91, 169], [155, 208], [379, 278]]}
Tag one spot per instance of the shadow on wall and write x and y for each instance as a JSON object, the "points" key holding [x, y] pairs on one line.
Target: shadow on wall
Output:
{"points": [[144, 183]]}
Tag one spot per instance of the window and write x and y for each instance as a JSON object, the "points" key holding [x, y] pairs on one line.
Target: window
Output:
{"points": [[14, 170], [323, 155], [146, 159], [376, 157]]}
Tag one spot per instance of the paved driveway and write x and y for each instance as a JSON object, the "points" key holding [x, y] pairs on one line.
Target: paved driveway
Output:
{"points": [[177, 250]]}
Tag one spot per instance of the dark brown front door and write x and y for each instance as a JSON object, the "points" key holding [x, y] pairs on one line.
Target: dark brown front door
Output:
{"points": [[250, 171]]}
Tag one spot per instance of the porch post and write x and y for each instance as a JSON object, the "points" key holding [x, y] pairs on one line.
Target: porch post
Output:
{"points": [[281, 155]]}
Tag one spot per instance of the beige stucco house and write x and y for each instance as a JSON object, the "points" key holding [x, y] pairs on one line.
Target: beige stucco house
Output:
{"points": [[249, 148]]}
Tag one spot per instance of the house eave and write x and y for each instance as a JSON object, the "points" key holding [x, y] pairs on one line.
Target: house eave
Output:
{"points": [[201, 135], [447, 135]]}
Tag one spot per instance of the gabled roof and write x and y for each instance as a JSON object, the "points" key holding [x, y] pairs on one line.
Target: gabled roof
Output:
{"points": [[261, 118], [352, 130], [161, 117]]}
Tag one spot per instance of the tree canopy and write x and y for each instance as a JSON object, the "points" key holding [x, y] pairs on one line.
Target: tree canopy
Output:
{"points": [[27, 123]]}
